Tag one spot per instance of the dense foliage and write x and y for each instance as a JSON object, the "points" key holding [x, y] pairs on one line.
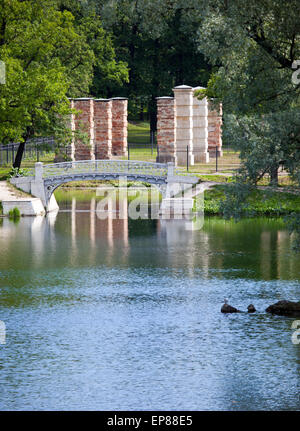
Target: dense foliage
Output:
{"points": [[159, 42], [49, 55], [256, 50]]}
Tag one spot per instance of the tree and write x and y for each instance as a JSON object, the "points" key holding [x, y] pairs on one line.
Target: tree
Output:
{"points": [[254, 50], [107, 72], [49, 57], [158, 41]]}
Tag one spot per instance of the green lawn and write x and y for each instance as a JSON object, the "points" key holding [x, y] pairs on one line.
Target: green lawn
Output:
{"points": [[4, 171], [139, 132], [261, 202]]}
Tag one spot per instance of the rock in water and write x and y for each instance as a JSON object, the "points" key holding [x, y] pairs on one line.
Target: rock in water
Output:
{"points": [[285, 308], [226, 308], [251, 308]]}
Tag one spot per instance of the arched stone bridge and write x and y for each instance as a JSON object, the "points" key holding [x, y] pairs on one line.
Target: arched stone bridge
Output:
{"points": [[44, 179]]}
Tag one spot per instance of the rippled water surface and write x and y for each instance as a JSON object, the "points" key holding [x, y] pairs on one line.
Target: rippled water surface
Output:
{"points": [[125, 314]]}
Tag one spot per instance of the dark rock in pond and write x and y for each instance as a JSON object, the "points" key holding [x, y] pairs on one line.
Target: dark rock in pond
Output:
{"points": [[285, 308], [226, 308], [251, 308]]}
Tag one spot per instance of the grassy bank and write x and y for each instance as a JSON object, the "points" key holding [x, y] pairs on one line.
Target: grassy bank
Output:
{"points": [[261, 202], [139, 132], [4, 173]]}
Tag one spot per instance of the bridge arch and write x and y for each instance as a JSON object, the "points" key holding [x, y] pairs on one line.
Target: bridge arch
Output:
{"points": [[55, 175], [50, 185]]}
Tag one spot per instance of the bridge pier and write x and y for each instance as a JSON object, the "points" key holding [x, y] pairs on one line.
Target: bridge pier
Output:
{"points": [[36, 187]]}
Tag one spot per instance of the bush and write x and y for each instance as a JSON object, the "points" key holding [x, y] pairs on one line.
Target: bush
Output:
{"points": [[16, 172], [14, 214]]}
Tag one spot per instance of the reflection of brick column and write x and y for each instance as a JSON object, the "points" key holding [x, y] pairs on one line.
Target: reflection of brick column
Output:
{"points": [[184, 124], [84, 121], [166, 132], [119, 126], [102, 128], [200, 129], [214, 130]]}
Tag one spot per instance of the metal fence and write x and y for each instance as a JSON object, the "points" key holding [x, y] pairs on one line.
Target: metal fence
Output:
{"points": [[37, 149], [34, 150], [227, 161]]}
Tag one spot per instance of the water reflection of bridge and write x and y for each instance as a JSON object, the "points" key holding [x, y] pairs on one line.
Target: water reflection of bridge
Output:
{"points": [[82, 239]]}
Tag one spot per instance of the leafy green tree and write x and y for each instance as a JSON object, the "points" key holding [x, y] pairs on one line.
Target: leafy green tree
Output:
{"points": [[158, 40], [107, 72], [254, 50], [49, 56]]}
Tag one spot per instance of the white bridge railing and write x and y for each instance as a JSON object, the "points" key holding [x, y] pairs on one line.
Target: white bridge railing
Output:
{"points": [[107, 167]]}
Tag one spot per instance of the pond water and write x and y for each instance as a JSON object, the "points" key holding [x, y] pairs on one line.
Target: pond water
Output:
{"points": [[110, 314]]}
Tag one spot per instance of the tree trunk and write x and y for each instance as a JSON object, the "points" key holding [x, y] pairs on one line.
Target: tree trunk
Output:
{"points": [[141, 111], [20, 152], [152, 114], [19, 155], [274, 176]]}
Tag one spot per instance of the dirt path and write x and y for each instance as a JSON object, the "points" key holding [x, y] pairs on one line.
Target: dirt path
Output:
{"points": [[9, 193]]}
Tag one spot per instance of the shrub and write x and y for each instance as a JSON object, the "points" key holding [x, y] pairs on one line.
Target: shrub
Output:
{"points": [[16, 172], [14, 214]]}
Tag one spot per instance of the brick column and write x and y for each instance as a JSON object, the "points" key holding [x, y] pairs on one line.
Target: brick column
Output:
{"points": [[214, 130], [84, 121], [119, 126], [200, 128], [184, 124], [166, 131], [70, 148], [102, 128]]}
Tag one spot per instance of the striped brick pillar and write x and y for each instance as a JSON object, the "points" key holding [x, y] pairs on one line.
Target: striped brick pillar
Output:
{"points": [[103, 129], [200, 128], [119, 126], [184, 124], [166, 131], [84, 122], [214, 130], [71, 148]]}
